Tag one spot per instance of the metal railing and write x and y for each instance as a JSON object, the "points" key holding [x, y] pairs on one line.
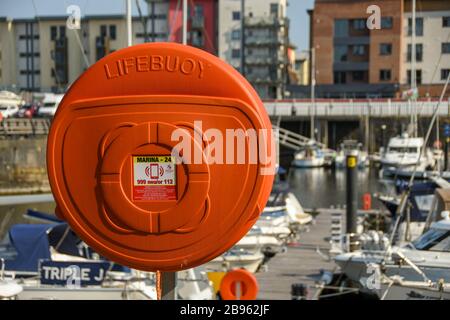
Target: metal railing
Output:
{"points": [[356, 108], [24, 127]]}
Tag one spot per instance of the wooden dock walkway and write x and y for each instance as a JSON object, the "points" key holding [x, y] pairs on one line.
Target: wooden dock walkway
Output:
{"points": [[300, 264]]}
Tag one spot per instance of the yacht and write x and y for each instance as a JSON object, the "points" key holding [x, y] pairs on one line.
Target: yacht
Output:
{"points": [[363, 156], [311, 156], [416, 269], [45, 261], [403, 154], [256, 241], [236, 259]]}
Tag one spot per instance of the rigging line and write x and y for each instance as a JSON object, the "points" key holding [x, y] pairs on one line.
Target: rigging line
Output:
{"points": [[402, 204], [143, 21], [77, 37]]}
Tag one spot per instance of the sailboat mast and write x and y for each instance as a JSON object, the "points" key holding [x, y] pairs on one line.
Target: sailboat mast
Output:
{"points": [[185, 14], [313, 90], [129, 32], [413, 67]]}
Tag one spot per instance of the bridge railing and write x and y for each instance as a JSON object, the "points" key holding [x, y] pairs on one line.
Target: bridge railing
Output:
{"points": [[355, 108], [24, 127]]}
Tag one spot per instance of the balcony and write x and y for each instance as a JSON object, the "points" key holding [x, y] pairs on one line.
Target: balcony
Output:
{"points": [[263, 79], [264, 60], [258, 41], [265, 22]]}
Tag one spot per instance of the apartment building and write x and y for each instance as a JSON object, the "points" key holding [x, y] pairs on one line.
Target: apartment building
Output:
{"points": [[253, 37], [432, 46], [353, 61]]}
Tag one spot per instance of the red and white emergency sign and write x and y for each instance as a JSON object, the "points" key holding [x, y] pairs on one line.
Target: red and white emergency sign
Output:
{"points": [[154, 178]]}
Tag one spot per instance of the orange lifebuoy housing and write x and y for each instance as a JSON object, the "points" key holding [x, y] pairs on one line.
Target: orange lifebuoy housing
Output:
{"points": [[239, 280], [120, 177]]}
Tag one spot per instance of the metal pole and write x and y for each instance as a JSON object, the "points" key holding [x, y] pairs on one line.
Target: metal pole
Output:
{"points": [[313, 90], [129, 31], [243, 37], [168, 285], [352, 190], [185, 14], [413, 66], [447, 140]]}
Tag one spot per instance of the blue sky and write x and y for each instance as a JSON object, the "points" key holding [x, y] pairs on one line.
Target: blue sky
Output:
{"points": [[299, 32]]}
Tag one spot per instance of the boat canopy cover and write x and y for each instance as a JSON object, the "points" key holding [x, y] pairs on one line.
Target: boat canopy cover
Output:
{"points": [[31, 243]]}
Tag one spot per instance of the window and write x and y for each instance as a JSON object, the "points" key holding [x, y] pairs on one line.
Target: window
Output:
{"points": [[198, 10], [386, 23], [103, 31], [236, 53], [419, 52], [53, 33], [444, 74], [419, 27], [341, 28], [445, 22], [62, 31], [358, 75], [358, 50], [446, 47], [359, 24], [339, 77], [340, 53], [274, 9], [236, 35], [418, 76], [385, 49], [112, 32], [385, 75], [236, 15]]}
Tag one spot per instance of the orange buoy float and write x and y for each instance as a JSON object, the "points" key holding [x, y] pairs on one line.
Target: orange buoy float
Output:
{"points": [[239, 284], [160, 157]]}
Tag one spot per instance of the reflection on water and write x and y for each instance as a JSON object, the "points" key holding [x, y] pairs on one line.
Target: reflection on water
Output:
{"points": [[324, 187]]}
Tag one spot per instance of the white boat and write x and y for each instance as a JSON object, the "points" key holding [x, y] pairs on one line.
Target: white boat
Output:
{"points": [[363, 156], [256, 241], [309, 157], [403, 154], [236, 259], [425, 260], [48, 261]]}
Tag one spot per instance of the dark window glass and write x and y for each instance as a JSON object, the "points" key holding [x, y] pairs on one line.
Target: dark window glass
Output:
{"points": [[236, 15], [198, 10], [341, 28], [444, 74], [418, 76], [358, 75], [103, 31], [236, 53], [386, 23], [446, 47], [62, 31], [339, 77], [445, 22], [340, 53], [385, 49], [112, 32], [359, 50], [53, 33], [274, 8], [419, 27], [359, 24], [236, 35], [419, 52], [385, 75]]}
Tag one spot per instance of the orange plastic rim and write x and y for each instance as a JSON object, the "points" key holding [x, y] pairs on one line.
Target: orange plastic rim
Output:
{"points": [[121, 113]]}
